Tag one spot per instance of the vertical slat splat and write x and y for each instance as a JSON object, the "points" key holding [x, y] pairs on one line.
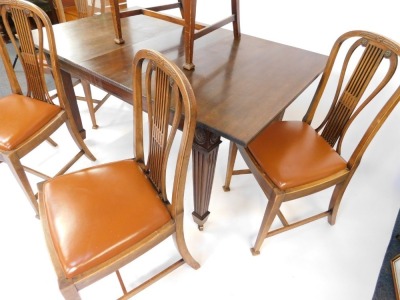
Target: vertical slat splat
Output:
{"points": [[159, 127], [350, 98], [32, 58]]}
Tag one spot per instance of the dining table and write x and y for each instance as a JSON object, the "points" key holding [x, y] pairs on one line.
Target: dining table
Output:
{"points": [[240, 84]]}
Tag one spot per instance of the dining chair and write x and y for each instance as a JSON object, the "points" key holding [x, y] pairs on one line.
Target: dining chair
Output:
{"points": [[292, 159], [124, 205], [81, 10], [192, 29], [28, 120]]}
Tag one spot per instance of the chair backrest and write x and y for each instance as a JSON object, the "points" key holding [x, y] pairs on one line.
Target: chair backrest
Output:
{"points": [[170, 105], [79, 10], [368, 74], [85, 10], [26, 16]]}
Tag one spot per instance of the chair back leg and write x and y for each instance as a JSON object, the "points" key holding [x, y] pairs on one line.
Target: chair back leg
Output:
{"points": [[231, 163], [336, 198], [89, 100], [236, 22]]}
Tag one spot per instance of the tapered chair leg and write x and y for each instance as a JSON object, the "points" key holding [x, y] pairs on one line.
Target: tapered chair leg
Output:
{"points": [[89, 100], [180, 242], [190, 22], [51, 142], [271, 211], [69, 291], [231, 163]]}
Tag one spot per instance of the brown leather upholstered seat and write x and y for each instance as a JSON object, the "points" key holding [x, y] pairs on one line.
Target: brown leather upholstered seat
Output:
{"points": [[295, 154], [117, 200]]}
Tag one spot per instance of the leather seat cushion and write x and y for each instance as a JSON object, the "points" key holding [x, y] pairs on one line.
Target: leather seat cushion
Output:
{"points": [[21, 117], [96, 213], [292, 153]]}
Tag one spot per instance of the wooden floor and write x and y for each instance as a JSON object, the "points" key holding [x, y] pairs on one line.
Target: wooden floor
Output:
{"points": [[317, 261]]}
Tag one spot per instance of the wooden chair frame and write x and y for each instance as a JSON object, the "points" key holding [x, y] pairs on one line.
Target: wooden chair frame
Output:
{"points": [[25, 14], [193, 30], [169, 89], [355, 90]]}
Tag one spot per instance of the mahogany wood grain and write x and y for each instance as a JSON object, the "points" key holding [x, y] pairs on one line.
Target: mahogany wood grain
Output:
{"points": [[241, 85]]}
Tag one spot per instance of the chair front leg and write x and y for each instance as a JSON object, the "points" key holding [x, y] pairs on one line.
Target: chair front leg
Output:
{"points": [[271, 211], [231, 163], [89, 100]]}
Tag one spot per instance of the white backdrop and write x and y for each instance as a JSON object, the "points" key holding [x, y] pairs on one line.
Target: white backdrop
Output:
{"points": [[310, 24]]}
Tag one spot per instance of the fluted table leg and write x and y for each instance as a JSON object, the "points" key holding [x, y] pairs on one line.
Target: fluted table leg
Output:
{"points": [[204, 154]]}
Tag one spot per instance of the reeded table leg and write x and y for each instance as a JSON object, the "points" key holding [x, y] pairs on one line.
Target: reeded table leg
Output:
{"points": [[204, 153]]}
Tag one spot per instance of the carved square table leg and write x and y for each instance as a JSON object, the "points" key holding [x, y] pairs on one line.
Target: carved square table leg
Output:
{"points": [[204, 154]]}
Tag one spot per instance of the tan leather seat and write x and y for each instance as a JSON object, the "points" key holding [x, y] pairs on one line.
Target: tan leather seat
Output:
{"points": [[100, 219], [21, 117], [131, 209], [295, 154]]}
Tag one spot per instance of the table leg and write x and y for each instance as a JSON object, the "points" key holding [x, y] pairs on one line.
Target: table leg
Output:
{"points": [[73, 103], [204, 154]]}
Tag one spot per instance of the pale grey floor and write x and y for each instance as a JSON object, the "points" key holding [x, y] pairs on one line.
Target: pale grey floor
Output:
{"points": [[316, 261]]}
